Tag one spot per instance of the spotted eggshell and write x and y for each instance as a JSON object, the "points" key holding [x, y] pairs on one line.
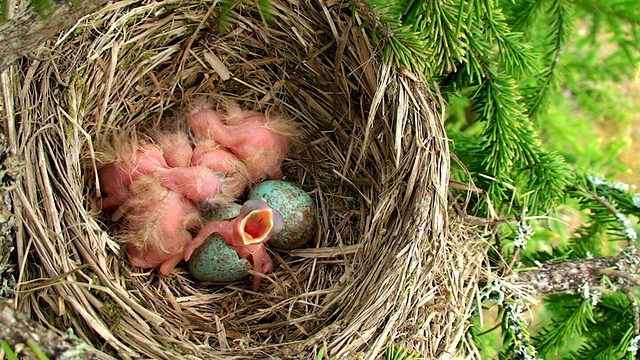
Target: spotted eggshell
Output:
{"points": [[226, 212], [297, 208], [216, 261]]}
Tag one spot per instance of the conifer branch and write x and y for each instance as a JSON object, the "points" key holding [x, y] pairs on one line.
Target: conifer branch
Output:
{"points": [[631, 278], [565, 276], [628, 14], [628, 291], [547, 80]]}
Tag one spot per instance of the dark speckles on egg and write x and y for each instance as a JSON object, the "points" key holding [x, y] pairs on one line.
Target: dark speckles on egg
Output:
{"points": [[226, 212], [297, 208], [217, 262]]}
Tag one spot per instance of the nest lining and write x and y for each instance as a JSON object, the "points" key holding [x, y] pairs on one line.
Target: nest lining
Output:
{"points": [[386, 266]]}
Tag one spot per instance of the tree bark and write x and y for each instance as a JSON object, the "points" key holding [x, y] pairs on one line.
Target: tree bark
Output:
{"points": [[11, 167], [27, 30], [570, 275], [27, 337]]}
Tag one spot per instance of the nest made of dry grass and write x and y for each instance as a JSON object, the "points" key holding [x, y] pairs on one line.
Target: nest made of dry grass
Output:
{"points": [[386, 265]]}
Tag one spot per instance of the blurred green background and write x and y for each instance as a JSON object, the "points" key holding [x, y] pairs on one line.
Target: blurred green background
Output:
{"points": [[594, 122]]}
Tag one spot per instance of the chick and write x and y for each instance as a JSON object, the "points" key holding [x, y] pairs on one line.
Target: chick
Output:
{"points": [[114, 186], [205, 124], [196, 183], [176, 147], [208, 153], [247, 233], [261, 142], [157, 224], [171, 167], [125, 167]]}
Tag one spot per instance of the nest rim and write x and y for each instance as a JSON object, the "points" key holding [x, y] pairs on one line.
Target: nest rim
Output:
{"points": [[374, 158]]}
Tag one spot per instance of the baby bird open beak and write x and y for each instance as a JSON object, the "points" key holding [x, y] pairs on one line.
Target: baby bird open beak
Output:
{"points": [[247, 233], [259, 224], [256, 226]]}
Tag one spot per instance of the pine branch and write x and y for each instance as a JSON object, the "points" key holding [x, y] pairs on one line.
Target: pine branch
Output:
{"points": [[626, 11], [573, 320], [421, 36], [612, 336], [524, 14], [514, 55], [546, 81], [511, 150], [632, 279], [508, 136], [565, 276], [608, 205]]}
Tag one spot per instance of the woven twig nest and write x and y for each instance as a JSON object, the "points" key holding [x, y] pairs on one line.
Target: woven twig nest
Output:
{"points": [[384, 267]]}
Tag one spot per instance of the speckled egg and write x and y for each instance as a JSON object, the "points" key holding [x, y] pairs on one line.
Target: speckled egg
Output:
{"points": [[297, 208], [226, 212], [216, 261]]}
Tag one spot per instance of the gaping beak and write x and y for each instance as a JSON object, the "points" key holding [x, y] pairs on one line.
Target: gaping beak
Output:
{"points": [[256, 226]]}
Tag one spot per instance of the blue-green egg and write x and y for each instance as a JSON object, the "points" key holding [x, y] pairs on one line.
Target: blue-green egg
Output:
{"points": [[297, 208], [226, 212], [216, 261]]}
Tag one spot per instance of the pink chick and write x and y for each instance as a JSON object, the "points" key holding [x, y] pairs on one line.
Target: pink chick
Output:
{"points": [[260, 142], [247, 233], [208, 153], [115, 177], [202, 124], [196, 183], [176, 148], [157, 225]]}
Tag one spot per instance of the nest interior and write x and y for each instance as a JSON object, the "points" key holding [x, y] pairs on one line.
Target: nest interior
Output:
{"points": [[384, 266]]}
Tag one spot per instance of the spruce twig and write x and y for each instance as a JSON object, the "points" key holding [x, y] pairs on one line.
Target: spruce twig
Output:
{"points": [[635, 309], [565, 276]]}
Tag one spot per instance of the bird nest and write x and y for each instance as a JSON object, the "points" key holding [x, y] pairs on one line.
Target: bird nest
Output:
{"points": [[387, 266]]}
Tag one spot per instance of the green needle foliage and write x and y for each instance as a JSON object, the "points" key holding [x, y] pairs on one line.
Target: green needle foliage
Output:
{"points": [[546, 24], [609, 206], [573, 318], [471, 47], [606, 326]]}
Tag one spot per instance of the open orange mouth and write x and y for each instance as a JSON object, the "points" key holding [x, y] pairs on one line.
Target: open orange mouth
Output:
{"points": [[256, 226]]}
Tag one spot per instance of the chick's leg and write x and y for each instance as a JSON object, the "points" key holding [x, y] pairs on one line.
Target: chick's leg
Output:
{"points": [[168, 265], [262, 263]]}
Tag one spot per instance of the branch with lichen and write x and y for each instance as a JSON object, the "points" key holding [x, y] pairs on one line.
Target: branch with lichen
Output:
{"points": [[562, 276], [19, 330], [512, 306], [11, 167]]}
